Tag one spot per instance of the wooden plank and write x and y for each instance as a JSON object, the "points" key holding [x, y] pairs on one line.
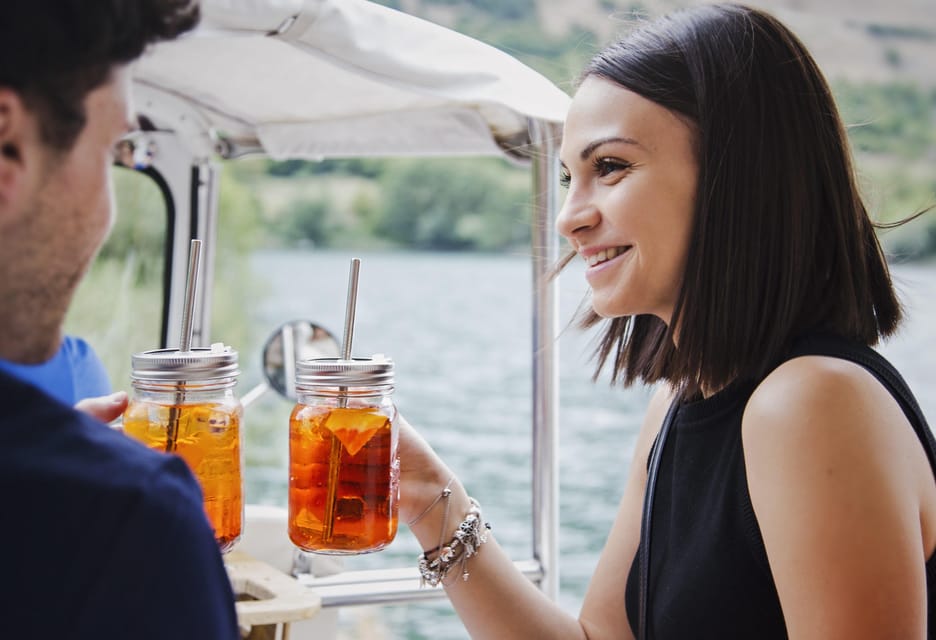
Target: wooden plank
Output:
{"points": [[273, 596]]}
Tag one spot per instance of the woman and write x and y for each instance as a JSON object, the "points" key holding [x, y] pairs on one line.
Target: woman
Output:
{"points": [[731, 259]]}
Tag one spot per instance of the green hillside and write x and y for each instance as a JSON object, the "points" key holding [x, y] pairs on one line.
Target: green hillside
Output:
{"points": [[880, 59]]}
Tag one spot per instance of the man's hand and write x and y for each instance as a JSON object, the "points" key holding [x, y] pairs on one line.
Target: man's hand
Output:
{"points": [[104, 408]]}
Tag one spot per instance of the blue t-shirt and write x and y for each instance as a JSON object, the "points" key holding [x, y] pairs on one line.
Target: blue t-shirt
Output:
{"points": [[72, 374], [101, 537]]}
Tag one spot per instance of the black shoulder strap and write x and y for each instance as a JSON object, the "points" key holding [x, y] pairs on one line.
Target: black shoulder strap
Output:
{"points": [[866, 357], [885, 373], [656, 455]]}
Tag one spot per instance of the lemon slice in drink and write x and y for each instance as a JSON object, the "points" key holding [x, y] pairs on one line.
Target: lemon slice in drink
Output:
{"points": [[354, 427]]}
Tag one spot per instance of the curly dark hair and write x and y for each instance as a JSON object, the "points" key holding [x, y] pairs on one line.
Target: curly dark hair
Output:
{"points": [[54, 52]]}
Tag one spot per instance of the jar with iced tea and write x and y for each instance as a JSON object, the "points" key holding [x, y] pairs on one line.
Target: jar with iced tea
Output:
{"points": [[343, 464], [184, 403]]}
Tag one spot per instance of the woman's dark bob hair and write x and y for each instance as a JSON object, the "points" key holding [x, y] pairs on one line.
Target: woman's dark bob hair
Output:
{"points": [[782, 244]]}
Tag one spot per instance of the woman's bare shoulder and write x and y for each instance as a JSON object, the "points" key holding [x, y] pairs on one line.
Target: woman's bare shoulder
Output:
{"points": [[821, 415], [838, 482]]}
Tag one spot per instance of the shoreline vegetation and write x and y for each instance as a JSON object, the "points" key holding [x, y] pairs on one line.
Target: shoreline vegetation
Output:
{"points": [[457, 204], [483, 204]]}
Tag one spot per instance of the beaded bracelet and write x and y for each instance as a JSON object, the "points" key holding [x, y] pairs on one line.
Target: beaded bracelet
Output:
{"points": [[468, 538]]}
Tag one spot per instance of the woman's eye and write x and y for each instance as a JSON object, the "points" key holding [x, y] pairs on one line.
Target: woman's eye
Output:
{"points": [[607, 166], [601, 166]]}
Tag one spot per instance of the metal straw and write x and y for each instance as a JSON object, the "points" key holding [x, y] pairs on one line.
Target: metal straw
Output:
{"points": [[191, 282], [334, 460], [350, 309], [185, 341]]}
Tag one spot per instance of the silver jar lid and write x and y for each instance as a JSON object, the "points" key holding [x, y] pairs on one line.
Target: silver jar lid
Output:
{"points": [[335, 372], [196, 365]]}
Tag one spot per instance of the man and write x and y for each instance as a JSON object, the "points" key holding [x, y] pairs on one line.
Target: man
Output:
{"points": [[100, 537], [73, 373]]}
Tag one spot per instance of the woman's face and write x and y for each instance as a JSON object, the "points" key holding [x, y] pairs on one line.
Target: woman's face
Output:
{"points": [[631, 173]]}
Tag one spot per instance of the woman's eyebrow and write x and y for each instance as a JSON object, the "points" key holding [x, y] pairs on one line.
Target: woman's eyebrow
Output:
{"points": [[590, 148]]}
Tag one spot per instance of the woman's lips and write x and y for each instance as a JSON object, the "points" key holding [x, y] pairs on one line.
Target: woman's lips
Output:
{"points": [[603, 260], [605, 255]]}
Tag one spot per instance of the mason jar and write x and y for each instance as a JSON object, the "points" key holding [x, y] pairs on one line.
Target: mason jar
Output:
{"points": [[184, 403], [343, 464]]}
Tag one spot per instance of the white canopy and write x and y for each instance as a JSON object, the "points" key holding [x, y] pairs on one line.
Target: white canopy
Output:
{"points": [[319, 78]]}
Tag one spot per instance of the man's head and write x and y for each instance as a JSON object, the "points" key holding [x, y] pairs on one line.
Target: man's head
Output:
{"points": [[52, 53], [64, 102]]}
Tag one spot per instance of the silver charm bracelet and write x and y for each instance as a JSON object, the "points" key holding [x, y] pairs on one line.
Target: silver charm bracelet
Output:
{"points": [[435, 564]]}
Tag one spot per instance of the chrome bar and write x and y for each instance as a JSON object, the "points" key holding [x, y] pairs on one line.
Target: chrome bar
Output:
{"points": [[289, 359], [545, 356], [386, 586], [193, 200], [254, 394], [207, 175], [173, 163]]}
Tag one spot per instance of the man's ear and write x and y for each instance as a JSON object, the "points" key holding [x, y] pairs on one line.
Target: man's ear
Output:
{"points": [[19, 136]]}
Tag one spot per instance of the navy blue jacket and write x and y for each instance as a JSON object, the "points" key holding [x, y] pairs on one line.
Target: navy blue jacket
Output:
{"points": [[99, 536]]}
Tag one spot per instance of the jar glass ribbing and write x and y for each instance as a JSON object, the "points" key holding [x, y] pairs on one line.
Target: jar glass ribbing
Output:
{"points": [[184, 403], [343, 463]]}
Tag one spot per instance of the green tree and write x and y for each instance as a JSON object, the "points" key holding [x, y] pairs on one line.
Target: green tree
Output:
{"points": [[895, 119], [307, 221], [455, 204]]}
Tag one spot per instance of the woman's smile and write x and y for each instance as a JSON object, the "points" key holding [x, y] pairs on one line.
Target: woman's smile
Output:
{"points": [[603, 255], [600, 262], [631, 174]]}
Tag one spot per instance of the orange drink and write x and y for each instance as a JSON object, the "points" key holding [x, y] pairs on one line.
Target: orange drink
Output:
{"points": [[343, 464], [209, 441], [183, 403]]}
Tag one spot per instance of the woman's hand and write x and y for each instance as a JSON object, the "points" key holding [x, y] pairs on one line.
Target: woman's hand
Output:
{"points": [[104, 408], [497, 601], [423, 475]]}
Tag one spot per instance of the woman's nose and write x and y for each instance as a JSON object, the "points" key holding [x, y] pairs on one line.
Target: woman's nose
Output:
{"points": [[577, 215]]}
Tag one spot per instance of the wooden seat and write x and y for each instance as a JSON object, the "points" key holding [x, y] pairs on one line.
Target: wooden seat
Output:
{"points": [[267, 599]]}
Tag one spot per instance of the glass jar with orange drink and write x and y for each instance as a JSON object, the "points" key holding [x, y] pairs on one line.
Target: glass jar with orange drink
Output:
{"points": [[343, 463], [183, 402]]}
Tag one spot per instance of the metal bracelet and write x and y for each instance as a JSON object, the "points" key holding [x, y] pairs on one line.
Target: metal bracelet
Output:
{"points": [[468, 538], [446, 492]]}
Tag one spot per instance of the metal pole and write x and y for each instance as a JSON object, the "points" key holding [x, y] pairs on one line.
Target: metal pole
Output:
{"points": [[189, 185], [545, 355], [209, 174]]}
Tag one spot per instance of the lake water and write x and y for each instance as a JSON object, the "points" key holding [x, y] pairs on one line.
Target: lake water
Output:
{"points": [[459, 330]]}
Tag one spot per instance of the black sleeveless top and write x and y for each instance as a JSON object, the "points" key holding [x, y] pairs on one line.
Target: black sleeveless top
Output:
{"points": [[709, 574]]}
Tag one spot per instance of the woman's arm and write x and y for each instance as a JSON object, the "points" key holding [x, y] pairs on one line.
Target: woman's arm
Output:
{"points": [[845, 497], [497, 601], [603, 614]]}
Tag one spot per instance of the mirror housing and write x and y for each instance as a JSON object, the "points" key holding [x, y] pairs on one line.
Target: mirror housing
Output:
{"points": [[293, 341]]}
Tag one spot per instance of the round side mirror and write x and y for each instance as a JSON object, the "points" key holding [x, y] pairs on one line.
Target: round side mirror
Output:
{"points": [[294, 341]]}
